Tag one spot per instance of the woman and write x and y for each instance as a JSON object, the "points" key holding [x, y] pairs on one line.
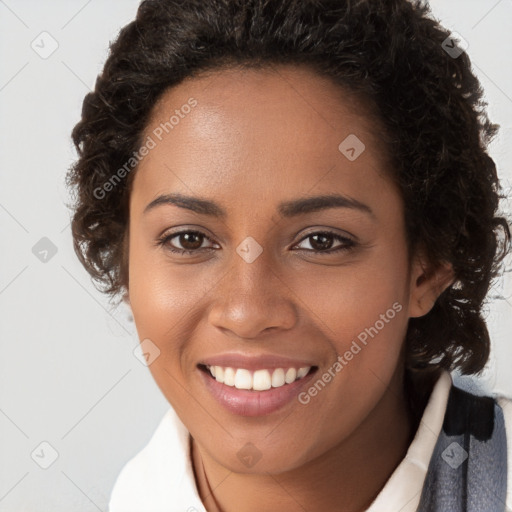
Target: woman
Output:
{"points": [[296, 201]]}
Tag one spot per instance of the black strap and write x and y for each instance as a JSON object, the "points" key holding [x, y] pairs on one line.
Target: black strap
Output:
{"points": [[469, 414]]}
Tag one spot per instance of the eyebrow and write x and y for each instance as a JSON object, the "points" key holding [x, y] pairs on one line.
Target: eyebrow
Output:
{"points": [[285, 209]]}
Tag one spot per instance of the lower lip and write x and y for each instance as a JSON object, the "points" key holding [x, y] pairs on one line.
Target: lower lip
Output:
{"points": [[254, 403]]}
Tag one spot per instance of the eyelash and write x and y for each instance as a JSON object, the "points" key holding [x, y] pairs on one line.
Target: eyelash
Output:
{"points": [[163, 241]]}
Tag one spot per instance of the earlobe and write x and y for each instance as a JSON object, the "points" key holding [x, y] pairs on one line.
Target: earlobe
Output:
{"points": [[427, 285]]}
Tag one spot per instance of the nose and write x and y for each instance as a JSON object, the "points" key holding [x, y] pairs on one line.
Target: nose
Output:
{"points": [[253, 299]]}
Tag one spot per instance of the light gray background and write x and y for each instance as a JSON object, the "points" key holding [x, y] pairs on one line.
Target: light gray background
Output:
{"points": [[68, 374]]}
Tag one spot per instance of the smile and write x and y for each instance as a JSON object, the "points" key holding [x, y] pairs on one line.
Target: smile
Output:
{"points": [[259, 380], [255, 392]]}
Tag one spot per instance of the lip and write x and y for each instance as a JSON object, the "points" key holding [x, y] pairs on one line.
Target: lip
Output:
{"points": [[244, 402], [255, 362]]}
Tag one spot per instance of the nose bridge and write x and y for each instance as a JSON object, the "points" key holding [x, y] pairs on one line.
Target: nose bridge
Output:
{"points": [[251, 277], [251, 261], [252, 297]]}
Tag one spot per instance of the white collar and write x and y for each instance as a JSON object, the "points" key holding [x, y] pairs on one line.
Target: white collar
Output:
{"points": [[160, 477], [403, 488]]}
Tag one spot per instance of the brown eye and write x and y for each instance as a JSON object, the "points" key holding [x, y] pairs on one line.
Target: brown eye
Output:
{"points": [[191, 240], [323, 243], [185, 242]]}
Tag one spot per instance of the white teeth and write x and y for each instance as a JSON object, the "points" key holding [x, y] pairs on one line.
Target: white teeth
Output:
{"points": [[260, 380], [302, 372], [218, 373], [229, 376], [291, 375], [243, 379], [278, 378]]}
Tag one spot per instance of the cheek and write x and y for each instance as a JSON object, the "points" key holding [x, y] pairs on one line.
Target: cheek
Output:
{"points": [[347, 300], [361, 310], [164, 299], [166, 306], [362, 317], [160, 289]]}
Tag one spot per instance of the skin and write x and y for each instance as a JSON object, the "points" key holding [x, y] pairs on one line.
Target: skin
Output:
{"points": [[255, 139]]}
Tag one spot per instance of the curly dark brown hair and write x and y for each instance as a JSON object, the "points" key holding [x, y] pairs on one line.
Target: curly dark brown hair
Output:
{"points": [[392, 54]]}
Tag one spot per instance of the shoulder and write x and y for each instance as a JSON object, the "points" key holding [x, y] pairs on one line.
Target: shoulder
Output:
{"points": [[160, 476]]}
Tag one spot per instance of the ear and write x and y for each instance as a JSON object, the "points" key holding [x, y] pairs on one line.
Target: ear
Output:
{"points": [[427, 284]]}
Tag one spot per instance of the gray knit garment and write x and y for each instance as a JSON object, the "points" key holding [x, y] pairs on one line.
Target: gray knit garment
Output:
{"points": [[468, 469]]}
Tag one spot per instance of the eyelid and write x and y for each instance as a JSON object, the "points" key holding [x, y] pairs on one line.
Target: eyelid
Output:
{"points": [[329, 230], [187, 228]]}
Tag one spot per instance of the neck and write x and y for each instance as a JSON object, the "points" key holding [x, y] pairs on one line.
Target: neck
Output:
{"points": [[347, 478]]}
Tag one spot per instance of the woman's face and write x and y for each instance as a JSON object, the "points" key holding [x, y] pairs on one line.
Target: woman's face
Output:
{"points": [[297, 259]]}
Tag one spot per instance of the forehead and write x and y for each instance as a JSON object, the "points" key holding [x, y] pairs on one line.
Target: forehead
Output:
{"points": [[278, 95], [282, 127]]}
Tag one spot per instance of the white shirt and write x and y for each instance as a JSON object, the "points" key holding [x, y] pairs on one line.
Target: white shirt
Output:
{"points": [[160, 477]]}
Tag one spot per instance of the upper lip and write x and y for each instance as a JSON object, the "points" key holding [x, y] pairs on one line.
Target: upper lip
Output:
{"points": [[254, 362]]}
